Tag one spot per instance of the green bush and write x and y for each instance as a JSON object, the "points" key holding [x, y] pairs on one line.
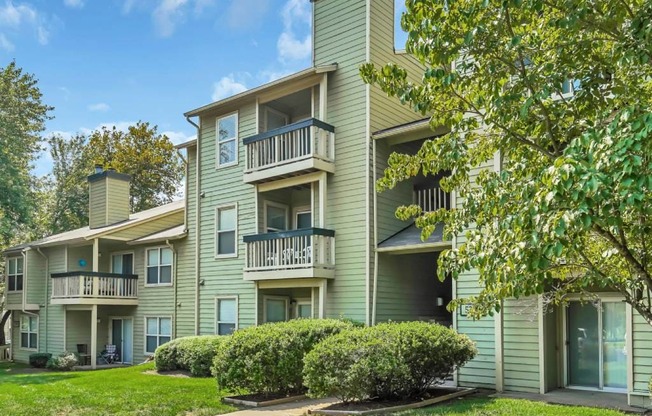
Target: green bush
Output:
{"points": [[269, 358], [386, 361], [194, 354], [39, 360], [62, 362]]}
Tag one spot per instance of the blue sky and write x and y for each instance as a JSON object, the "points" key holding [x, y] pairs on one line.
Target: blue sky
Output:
{"points": [[114, 62]]}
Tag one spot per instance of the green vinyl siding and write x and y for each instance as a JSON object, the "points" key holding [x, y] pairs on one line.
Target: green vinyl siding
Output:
{"points": [[388, 111], [76, 254], [224, 186], [642, 347], [52, 324], [521, 345], [340, 38], [481, 371], [117, 205], [186, 287], [97, 209]]}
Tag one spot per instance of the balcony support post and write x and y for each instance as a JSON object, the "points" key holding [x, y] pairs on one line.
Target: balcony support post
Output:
{"points": [[322, 200], [322, 297], [94, 336], [96, 255]]}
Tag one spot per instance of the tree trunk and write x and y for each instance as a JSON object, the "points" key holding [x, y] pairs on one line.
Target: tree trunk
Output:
{"points": [[3, 322]]}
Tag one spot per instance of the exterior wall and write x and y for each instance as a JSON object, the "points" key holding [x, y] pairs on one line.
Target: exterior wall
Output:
{"points": [[642, 351], [481, 371], [224, 186], [385, 111], [521, 345], [14, 299], [185, 269], [340, 37], [97, 209], [75, 254], [117, 204]]}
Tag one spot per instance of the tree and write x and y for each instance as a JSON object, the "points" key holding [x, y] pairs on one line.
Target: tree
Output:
{"points": [[150, 158], [22, 119], [562, 91]]}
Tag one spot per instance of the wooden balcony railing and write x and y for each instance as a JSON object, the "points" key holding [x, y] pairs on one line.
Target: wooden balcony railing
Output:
{"points": [[305, 139], [432, 198], [287, 250], [94, 285]]}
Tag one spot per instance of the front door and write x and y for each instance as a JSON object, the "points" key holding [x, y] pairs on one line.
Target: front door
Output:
{"points": [[596, 345], [122, 338], [122, 263]]}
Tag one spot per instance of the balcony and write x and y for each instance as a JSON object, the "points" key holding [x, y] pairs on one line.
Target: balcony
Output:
{"points": [[93, 288], [304, 253], [298, 148], [431, 198]]}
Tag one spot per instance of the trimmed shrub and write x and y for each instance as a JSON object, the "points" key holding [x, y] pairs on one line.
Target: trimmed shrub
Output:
{"points": [[63, 362], [386, 361], [194, 354], [39, 360], [269, 358]]}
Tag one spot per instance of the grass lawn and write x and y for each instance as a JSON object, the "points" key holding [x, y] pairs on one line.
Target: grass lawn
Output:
{"points": [[121, 391], [507, 407]]}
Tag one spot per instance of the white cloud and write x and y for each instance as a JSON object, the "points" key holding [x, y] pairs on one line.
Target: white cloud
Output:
{"points": [[291, 46], [246, 14], [178, 137], [74, 4], [226, 87], [5, 43], [167, 15], [101, 107], [18, 16]]}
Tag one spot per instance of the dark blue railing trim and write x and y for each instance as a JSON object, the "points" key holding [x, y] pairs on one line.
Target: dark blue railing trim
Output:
{"points": [[93, 274], [287, 234], [290, 127]]}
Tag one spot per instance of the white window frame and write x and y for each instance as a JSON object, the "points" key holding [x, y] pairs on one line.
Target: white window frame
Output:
{"points": [[217, 231], [266, 204], [122, 253], [219, 165], [21, 332], [301, 210], [158, 336], [304, 302], [147, 266], [16, 274], [217, 312], [286, 299]]}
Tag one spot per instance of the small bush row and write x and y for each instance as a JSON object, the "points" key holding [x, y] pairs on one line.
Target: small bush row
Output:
{"points": [[269, 358], [387, 361], [62, 362], [39, 360], [194, 354]]}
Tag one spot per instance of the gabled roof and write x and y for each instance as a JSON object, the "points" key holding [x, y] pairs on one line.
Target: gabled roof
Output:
{"points": [[265, 87], [173, 233], [86, 233], [409, 239]]}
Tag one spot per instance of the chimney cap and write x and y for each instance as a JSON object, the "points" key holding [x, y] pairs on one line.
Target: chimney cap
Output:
{"points": [[109, 174]]}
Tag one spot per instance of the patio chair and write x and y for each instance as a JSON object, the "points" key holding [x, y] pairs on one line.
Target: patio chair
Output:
{"points": [[109, 355], [84, 356]]}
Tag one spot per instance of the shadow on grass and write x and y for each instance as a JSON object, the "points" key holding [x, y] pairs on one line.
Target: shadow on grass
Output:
{"points": [[35, 378]]}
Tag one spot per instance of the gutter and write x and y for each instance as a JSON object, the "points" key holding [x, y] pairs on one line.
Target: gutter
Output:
{"points": [[174, 292], [47, 285], [197, 228]]}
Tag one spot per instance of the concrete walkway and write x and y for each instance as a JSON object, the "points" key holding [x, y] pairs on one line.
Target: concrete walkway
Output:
{"points": [[298, 408]]}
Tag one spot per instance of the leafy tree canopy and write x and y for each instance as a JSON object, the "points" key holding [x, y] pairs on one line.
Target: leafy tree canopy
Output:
{"points": [[570, 209], [149, 157], [22, 119]]}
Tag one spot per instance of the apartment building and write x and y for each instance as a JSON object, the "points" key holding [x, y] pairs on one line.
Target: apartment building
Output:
{"points": [[281, 220]]}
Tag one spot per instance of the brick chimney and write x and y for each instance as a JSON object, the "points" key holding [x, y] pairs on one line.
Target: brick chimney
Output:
{"points": [[108, 197]]}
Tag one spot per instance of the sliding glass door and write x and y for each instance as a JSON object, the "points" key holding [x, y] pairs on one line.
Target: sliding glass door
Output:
{"points": [[596, 342]]}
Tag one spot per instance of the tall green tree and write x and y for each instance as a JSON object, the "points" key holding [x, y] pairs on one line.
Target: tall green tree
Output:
{"points": [[22, 119], [149, 157], [562, 91]]}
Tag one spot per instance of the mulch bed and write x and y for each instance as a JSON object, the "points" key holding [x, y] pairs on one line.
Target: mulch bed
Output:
{"points": [[261, 399], [380, 404]]}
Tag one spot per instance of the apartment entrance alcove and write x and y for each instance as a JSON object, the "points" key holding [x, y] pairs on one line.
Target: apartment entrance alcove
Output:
{"points": [[286, 299]]}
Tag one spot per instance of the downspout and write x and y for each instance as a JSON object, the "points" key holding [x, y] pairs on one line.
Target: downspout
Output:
{"points": [[374, 297], [366, 164], [174, 292], [197, 228], [47, 285]]}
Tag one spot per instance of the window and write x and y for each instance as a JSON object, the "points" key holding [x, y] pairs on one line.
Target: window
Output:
{"points": [[275, 308], [122, 263], [227, 140], [302, 218], [29, 332], [15, 274], [158, 331], [569, 86], [159, 266], [226, 231], [276, 217], [226, 315], [304, 309]]}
